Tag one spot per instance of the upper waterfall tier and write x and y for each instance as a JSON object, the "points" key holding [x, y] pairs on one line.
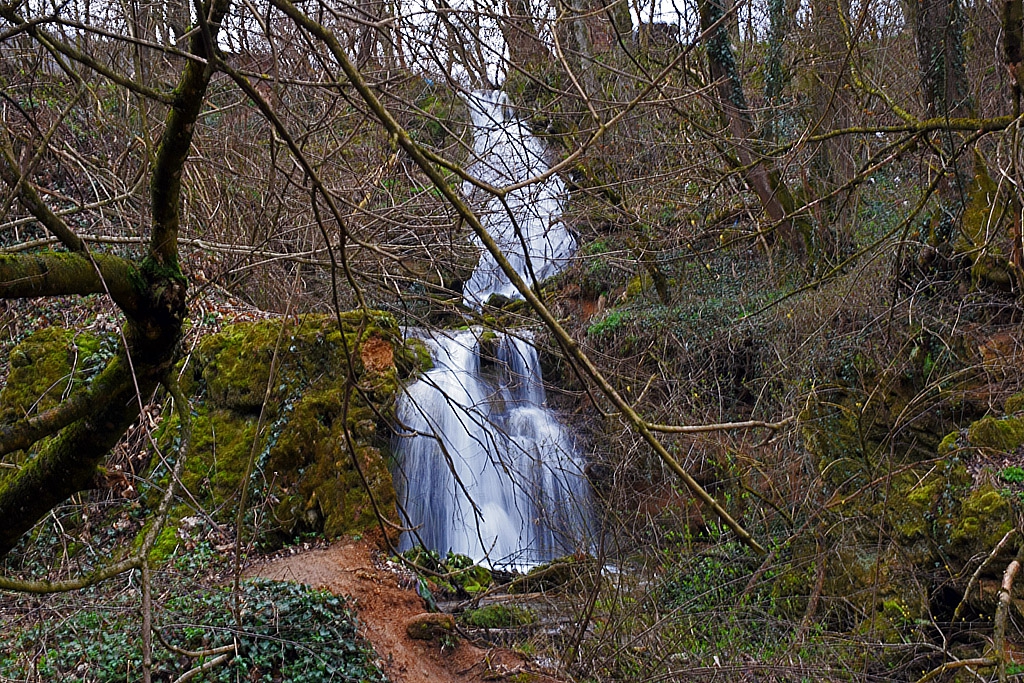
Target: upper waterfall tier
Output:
{"points": [[527, 226]]}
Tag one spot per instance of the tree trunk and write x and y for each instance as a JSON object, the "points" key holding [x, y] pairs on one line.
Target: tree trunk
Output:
{"points": [[1013, 46], [775, 197], [830, 92], [525, 49], [938, 32], [150, 293]]}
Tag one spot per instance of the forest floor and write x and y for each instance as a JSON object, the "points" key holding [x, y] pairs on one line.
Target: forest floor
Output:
{"points": [[386, 603]]}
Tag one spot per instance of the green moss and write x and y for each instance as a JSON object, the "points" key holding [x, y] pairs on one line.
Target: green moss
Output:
{"points": [[235, 364], [522, 677], [911, 510], [949, 443], [155, 270], [43, 368], [316, 426], [879, 628], [1014, 404], [419, 353], [166, 542], [984, 518], [346, 504], [637, 285], [473, 579], [980, 223], [832, 433], [856, 429], [499, 616], [430, 626], [1001, 434]]}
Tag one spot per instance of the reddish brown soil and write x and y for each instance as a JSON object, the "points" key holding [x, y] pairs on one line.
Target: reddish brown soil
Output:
{"points": [[385, 607]]}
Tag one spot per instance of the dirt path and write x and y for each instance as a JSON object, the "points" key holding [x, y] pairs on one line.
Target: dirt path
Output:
{"points": [[385, 608]]}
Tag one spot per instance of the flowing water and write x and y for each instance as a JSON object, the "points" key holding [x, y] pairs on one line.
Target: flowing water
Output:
{"points": [[529, 231], [485, 469]]}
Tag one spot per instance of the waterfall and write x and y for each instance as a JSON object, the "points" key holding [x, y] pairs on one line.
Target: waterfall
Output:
{"points": [[483, 467], [530, 232]]}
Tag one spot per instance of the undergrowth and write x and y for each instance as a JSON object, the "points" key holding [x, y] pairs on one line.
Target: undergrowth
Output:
{"points": [[281, 631]]}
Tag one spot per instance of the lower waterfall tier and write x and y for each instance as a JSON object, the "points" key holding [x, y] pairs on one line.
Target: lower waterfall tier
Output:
{"points": [[484, 467]]}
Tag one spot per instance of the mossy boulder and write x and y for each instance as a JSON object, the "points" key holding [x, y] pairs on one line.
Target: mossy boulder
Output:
{"points": [[576, 571], [44, 368], [983, 519], [428, 626], [499, 616], [847, 431], [997, 433], [473, 580], [920, 509], [915, 523], [909, 503], [455, 575], [221, 443], [309, 403]]}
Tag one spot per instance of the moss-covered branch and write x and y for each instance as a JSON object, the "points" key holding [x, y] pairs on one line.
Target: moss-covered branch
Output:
{"points": [[67, 464], [24, 433], [61, 274], [141, 556], [924, 126]]}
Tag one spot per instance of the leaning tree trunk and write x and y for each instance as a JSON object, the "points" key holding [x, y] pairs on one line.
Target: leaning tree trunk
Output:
{"points": [[151, 293], [758, 172]]}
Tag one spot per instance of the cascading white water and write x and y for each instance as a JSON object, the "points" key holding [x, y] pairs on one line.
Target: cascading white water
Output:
{"points": [[530, 231], [484, 468]]}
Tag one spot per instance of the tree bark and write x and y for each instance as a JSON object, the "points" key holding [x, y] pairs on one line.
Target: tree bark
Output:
{"points": [[525, 49], [152, 295], [775, 197], [62, 274], [830, 88], [938, 32], [1013, 47]]}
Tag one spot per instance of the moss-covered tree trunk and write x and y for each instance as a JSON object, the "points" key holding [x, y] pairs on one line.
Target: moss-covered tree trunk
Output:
{"points": [[939, 37], [151, 293]]}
